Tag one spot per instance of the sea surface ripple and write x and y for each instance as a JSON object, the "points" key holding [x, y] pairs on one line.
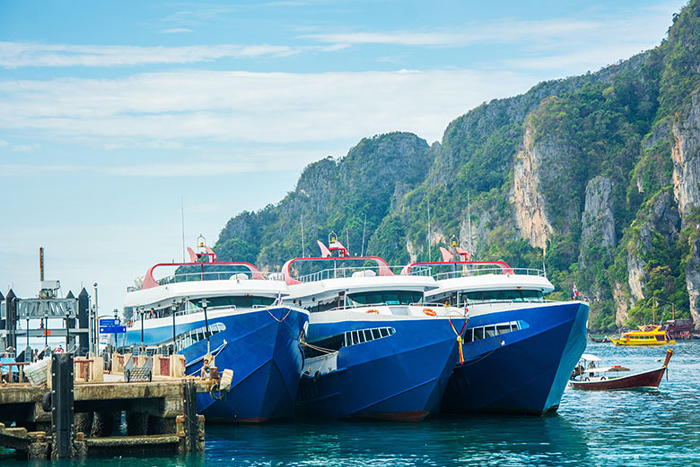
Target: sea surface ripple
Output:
{"points": [[631, 428]]}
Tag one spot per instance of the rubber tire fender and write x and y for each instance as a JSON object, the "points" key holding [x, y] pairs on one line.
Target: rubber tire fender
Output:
{"points": [[47, 401]]}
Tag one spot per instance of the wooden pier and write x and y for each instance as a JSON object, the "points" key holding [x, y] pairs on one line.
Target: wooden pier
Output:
{"points": [[70, 417]]}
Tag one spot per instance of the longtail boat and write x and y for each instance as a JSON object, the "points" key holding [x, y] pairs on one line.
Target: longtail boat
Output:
{"points": [[590, 377]]}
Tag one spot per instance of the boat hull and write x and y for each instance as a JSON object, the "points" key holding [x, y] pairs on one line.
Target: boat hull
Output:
{"points": [[648, 379], [641, 343], [263, 348], [401, 377], [524, 371]]}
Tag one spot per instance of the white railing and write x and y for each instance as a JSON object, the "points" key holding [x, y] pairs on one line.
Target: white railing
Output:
{"points": [[342, 273], [486, 271], [200, 276]]}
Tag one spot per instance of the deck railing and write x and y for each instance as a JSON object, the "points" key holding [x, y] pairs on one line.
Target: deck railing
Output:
{"points": [[342, 272]]}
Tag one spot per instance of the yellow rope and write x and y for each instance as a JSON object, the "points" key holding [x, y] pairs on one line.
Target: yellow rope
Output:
{"points": [[275, 318]]}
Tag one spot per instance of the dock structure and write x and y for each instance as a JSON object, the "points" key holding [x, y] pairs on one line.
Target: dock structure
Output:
{"points": [[69, 417]]}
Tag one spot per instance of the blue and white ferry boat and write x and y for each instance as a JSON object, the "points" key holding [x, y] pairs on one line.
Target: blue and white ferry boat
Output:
{"points": [[373, 349], [230, 313], [519, 349]]}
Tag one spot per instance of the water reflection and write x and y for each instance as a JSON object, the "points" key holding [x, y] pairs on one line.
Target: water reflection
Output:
{"points": [[631, 428], [439, 441]]}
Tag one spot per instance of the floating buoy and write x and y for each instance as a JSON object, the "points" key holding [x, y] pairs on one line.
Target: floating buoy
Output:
{"points": [[373, 311], [429, 312]]}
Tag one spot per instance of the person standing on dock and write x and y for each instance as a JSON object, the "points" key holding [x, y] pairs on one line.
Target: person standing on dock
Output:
{"points": [[205, 373]]}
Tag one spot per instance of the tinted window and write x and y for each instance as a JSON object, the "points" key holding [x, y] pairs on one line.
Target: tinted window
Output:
{"points": [[386, 297], [243, 301]]}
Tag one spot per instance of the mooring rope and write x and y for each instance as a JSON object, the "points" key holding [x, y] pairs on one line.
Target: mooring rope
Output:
{"points": [[459, 334], [317, 348], [275, 317]]}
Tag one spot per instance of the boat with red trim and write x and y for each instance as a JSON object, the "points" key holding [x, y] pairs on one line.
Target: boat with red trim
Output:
{"points": [[373, 349], [229, 313], [519, 349], [591, 375]]}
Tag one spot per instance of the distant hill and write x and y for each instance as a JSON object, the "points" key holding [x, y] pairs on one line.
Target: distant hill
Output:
{"points": [[596, 176]]}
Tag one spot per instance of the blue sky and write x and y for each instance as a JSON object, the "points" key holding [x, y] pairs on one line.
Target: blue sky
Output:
{"points": [[113, 114]]}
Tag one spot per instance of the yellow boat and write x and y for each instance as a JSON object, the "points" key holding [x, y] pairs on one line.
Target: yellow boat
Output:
{"points": [[647, 335]]}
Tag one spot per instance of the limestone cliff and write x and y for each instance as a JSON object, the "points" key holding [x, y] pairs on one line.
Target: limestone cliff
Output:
{"points": [[686, 189], [530, 214], [686, 158], [597, 221]]}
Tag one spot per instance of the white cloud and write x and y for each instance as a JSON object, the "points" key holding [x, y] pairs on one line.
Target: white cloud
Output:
{"points": [[233, 107], [555, 33], [198, 163], [23, 54], [176, 31], [26, 147]]}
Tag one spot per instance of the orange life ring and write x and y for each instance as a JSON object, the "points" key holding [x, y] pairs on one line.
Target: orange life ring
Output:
{"points": [[373, 311], [429, 312]]}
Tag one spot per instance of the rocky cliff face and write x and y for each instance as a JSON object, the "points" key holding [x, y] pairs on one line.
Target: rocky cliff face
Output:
{"points": [[686, 189], [686, 158], [530, 213], [597, 221], [692, 275]]}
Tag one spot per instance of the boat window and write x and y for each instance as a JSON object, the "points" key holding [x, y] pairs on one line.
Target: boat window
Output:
{"points": [[503, 295], [402, 297], [392, 298], [490, 331], [513, 295], [239, 301], [363, 335], [513, 325], [503, 328], [532, 295], [478, 333], [469, 335], [373, 298]]}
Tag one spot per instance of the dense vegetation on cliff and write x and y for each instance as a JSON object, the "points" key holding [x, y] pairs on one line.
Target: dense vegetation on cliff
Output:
{"points": [[596, 177]]}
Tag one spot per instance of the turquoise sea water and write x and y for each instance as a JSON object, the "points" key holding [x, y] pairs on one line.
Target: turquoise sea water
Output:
{"points": [[631, 428]]}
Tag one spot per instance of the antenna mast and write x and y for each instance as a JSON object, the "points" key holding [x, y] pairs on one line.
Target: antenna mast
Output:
{"points": [[469, 227], [430, 259], [364, 227], [182, 212], [301, 221]]}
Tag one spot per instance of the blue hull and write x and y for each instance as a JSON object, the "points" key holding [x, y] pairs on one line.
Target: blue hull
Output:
{"points": [[400, 377], [524, 371], [263, 350]]}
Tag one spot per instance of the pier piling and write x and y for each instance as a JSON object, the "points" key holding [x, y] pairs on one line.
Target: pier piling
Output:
{"points": [[70, 418], [62, 407]]}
